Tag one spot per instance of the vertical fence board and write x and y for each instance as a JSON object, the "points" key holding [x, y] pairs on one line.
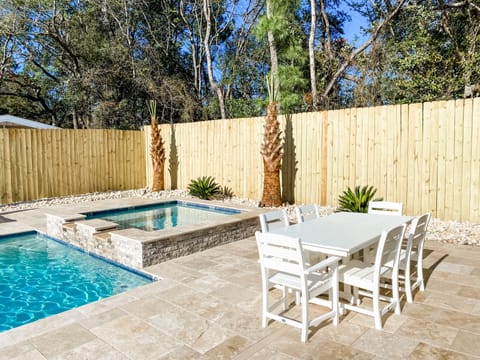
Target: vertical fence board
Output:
{"points": [[467, 158]]}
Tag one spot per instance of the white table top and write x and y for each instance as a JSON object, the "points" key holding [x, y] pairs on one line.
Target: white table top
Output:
{"points": [[344, 233]]}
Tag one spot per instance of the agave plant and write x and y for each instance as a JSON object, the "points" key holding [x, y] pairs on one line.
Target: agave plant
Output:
{"points": [[204, 187], [356, 200]]}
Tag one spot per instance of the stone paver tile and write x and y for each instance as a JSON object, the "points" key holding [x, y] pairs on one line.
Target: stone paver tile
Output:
{"points": [[62, 340], [235, 294], [467, 342], [315, 348], [451, 302], [459, 320], [195, 331], [428, 332], [145, 308], [346, 332], [470, 292], [95, 319], [153, 288], [180, 294], [31, 355], [442, 286], [428, 352], [459, 279], [248, 325], [95, 349], [198, 263], [183, 353], [208, 283], [171, 270], [266, 353], [456, 268], [135, 338], [45, 325], [384, 344], [422, 311], [17, 350], [228, 349], [471, 261]]}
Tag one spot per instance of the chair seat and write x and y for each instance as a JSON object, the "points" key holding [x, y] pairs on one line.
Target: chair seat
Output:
{"points": [[315, 281], [360, 274]]}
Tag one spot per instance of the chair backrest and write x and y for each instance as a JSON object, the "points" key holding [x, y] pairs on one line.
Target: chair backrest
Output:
{"points": [[385, 208], [307, 212], [418, 231], [280, 253], [274, 219], [388, 251]]}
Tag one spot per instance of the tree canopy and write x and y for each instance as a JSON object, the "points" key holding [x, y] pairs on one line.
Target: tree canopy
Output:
{"points": [[96, 63]]}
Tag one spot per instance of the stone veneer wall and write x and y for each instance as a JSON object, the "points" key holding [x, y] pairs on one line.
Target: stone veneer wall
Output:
{"points": [[158, 251], [134, 252]]}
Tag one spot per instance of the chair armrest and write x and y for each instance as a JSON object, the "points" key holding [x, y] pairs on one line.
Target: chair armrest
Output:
{"points": [[330, 261]]}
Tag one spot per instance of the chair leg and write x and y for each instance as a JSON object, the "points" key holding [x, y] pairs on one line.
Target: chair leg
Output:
{"points": [[420, 274], [396, 294], [334, 297], [408, 284], [264, 306], [285, 298], [376, 310], [305, 321]]}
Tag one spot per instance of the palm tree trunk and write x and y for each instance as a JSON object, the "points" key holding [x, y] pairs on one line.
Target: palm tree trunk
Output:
{"points": [[272, 152]]}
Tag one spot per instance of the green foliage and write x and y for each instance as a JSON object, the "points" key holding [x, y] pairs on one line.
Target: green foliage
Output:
{"points": [[226, 192], [206, 188], [356, 200]]}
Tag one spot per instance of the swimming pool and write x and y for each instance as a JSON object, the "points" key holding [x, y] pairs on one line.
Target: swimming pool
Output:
{"points": [[40, 277], [162, 216]]}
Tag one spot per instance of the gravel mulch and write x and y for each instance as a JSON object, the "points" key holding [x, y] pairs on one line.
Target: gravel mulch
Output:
{"points": [[463, 233]]}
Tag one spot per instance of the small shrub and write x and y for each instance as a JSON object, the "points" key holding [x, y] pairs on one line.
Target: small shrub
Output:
{"points": [[204, 187], [226, 192], [356, 200]]}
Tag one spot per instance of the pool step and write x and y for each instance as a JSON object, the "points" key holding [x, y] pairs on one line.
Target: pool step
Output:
{"points": [[69, 228], [103, 236]]}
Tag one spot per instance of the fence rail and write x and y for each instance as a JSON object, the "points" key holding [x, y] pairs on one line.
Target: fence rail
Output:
{"points": [[36, 164], [424, 155]]}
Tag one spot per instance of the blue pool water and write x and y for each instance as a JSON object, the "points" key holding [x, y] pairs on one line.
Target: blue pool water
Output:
{"points": [[40, 277], [162, 216]]}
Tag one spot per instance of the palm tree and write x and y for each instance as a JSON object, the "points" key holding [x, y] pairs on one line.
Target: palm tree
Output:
{"points": [[272, 150], [157, 150]]}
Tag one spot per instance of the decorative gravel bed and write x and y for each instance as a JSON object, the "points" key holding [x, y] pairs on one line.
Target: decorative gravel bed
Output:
{"points": [[464, 233]]}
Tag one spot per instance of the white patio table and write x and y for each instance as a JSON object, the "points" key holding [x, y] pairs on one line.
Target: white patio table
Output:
{"points": [[342, 234]]}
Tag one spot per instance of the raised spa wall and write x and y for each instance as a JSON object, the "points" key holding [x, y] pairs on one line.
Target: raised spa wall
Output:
{"points": [[138, 248]]}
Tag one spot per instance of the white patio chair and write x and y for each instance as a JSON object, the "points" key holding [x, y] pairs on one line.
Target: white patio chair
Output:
{"points": [[273, 219], [385, 208], [381, 208], [411, 258], [307, 212], [365, 278], [282, 264]]}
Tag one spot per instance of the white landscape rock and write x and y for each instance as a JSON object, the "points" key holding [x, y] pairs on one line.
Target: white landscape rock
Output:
{"points": [[464, 233]]}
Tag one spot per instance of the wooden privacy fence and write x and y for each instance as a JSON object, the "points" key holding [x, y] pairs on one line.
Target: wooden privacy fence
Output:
{"points": [[424, 155], [46, 163]]}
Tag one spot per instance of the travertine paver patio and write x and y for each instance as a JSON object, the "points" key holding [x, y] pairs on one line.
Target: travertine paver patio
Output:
{"points": [[208, 307]]}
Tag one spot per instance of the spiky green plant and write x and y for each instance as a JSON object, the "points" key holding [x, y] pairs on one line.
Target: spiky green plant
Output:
{"points": [[226, 192], [356, 200], [204, 187]]}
